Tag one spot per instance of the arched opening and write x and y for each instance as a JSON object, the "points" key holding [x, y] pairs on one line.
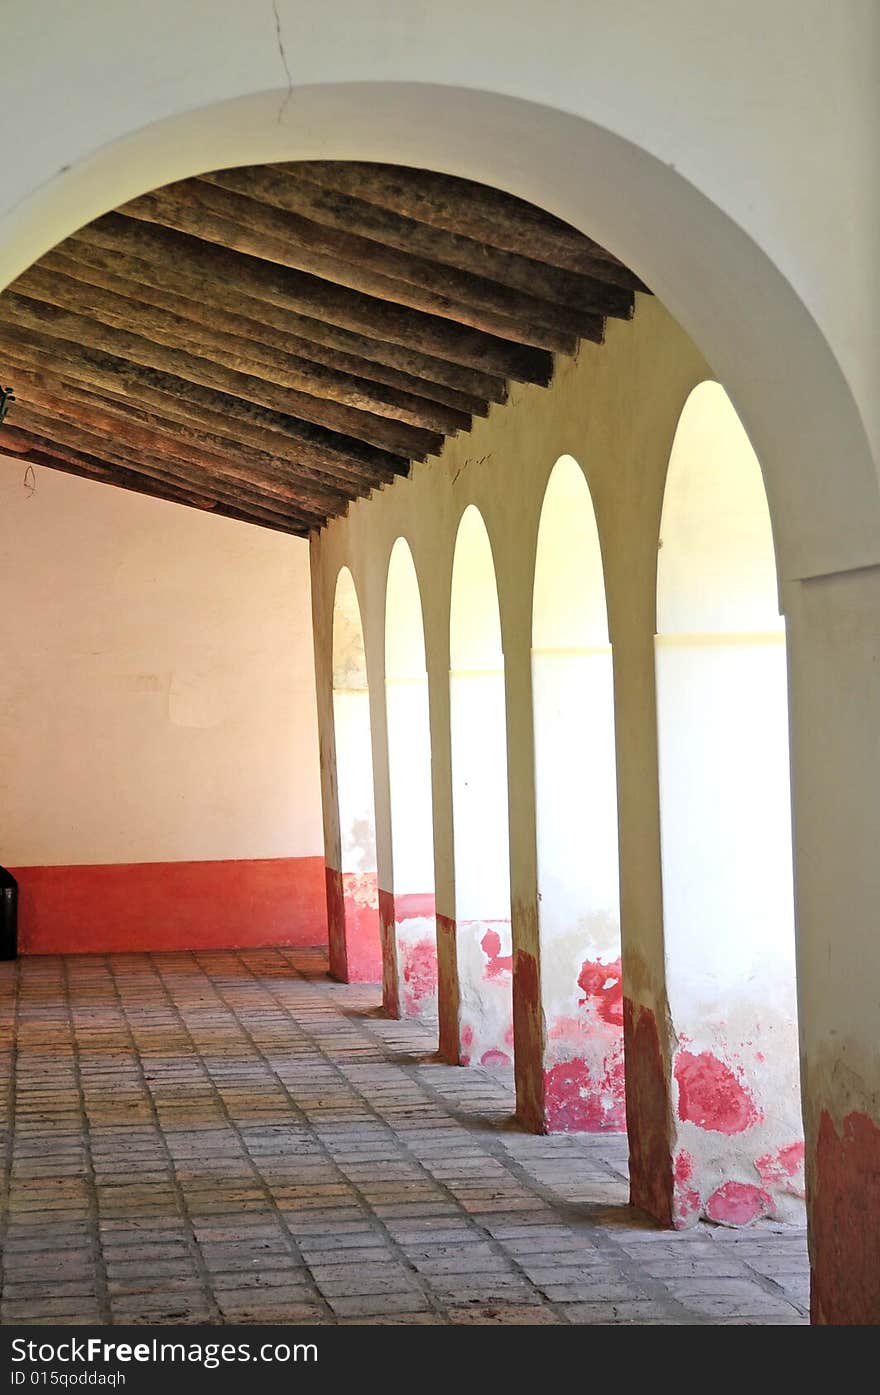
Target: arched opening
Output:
{"points": [[355, 949], [409, 934], [576, 814], [479, 802], [726, 830]]}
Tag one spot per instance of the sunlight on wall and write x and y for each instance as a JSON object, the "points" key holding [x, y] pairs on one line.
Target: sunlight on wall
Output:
{"points": [[354, 765], [408, 926], [726, 830], [479, 801], [576, 815]]}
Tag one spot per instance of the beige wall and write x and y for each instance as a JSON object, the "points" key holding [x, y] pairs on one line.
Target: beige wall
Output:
{"points": [[156, 681]]}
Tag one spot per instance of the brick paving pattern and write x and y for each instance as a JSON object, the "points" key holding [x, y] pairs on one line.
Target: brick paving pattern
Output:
{"points": [[231, 1137]]}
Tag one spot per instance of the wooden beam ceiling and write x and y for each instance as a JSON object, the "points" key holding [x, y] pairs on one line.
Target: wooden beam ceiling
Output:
{"points": [[270, 343]]}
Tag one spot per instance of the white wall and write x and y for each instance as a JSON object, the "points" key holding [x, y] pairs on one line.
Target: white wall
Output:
{"points": [[157, 681]]}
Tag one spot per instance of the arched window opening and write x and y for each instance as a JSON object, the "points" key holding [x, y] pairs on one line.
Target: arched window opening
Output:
{"points": [[479, 802], [409, 933], [576, 816], [726, 832], [355, 953]]}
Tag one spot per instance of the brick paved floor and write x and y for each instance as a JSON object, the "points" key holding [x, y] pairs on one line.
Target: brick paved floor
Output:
{"points": [[232, 1137]]}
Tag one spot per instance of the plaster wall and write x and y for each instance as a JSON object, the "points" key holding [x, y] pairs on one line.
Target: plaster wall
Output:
{"points": [[158, 738]]}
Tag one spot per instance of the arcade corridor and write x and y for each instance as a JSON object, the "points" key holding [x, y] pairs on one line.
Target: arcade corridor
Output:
{"points": [[233, 1137]]}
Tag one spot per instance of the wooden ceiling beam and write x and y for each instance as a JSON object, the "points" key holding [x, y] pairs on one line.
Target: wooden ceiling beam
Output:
{"points": [[414, 442], [124, 425], [322, 335], [231, 219], [172, 330], [262, 327], [33, 451], [320, 449], [475, 210], [279, 186], [166, 470], [208, 264], [267, 450]]}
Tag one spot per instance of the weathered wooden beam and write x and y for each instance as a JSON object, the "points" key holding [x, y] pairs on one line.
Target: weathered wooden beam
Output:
{"points": [[262, 327], [364, 426], [208, 264], [166, 470], [279, 186], [33, 451], [459, 205], [166, 276], [194, 423], [220, 215], [168, 328], [320, 449], [268, 453], [127, 428]]}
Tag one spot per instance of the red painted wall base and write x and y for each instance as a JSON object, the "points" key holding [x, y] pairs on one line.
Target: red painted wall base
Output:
{"points": [[116, 907]]}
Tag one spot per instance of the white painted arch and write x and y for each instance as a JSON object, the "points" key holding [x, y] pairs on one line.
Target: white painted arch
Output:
{"points": [[712, 197]]}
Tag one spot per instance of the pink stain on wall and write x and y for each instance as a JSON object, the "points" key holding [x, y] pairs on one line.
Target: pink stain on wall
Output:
{"points": [[576, 1101], [686, 1201], [418, 964], [711, 1096], [738, 1203], [495, 1058], [780, 1167], [363, 940], [602, 985], [496, 962]]}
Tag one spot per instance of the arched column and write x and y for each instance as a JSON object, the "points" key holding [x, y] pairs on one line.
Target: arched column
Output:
{"points": [[353, 905], [576, 807], [482, 933], [408, 909], [726, 831]]}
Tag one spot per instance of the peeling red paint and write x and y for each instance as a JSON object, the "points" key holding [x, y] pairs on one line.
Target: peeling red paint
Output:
{"points": [[686, 1202], [363, 941], [447, 990], [780, 1166], [495, 1058], [602, 985], [336, 923], [711, 1096], [390, 985], [738, 1203], [647, 1113], [576, 1102], [415, 905], [684, 1166], [844, 1235], [497, 963], [418, 962]]}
